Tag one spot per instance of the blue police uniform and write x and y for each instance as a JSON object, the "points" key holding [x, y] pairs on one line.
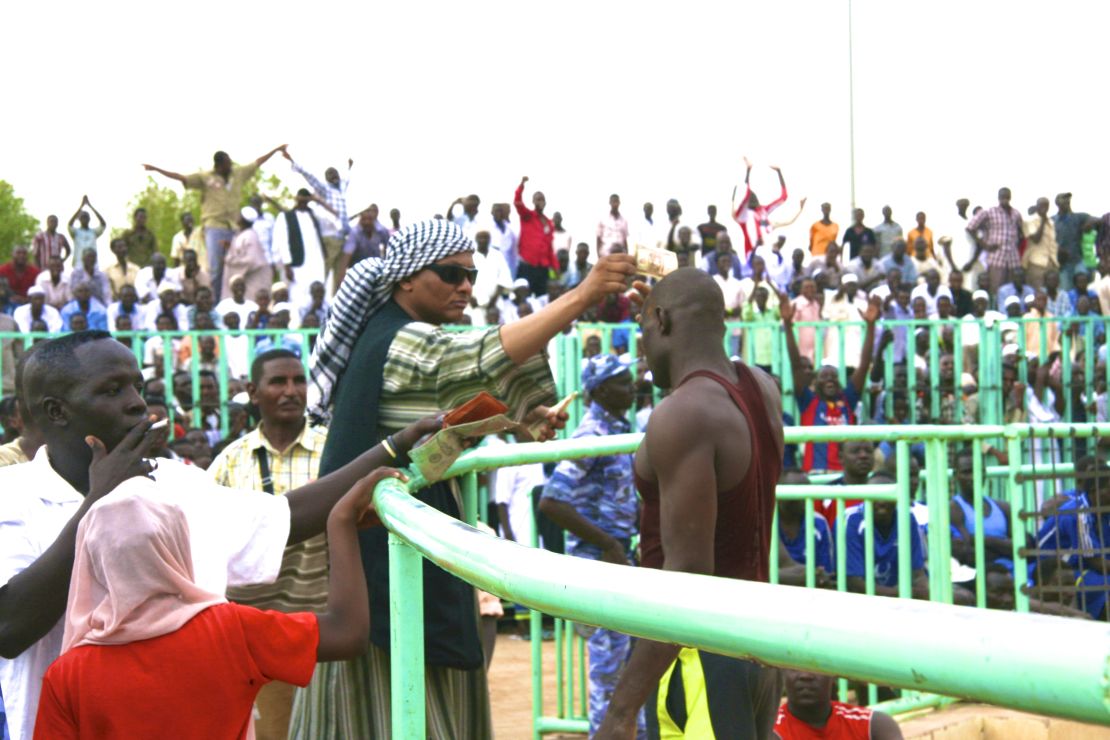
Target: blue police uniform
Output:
{"points": [[601, 490]]}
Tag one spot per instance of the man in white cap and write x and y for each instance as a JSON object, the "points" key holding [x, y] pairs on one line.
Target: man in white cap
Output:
{"points": [[512, 306], [845, 306], [36, 309]]}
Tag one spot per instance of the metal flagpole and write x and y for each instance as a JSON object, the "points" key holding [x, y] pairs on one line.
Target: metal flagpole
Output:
{"points": [[851, 112]]}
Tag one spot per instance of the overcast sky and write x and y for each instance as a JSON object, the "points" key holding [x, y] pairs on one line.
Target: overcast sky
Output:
{"points": [[649, 100]]}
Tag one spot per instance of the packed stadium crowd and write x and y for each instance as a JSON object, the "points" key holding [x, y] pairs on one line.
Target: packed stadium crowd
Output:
{"points": [[249, 419]]}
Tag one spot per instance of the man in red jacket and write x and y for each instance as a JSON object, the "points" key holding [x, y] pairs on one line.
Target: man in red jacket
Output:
{"points": [[536, 246]]}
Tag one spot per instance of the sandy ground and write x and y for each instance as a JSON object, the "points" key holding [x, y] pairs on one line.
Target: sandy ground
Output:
{"points": [[510, 686]]}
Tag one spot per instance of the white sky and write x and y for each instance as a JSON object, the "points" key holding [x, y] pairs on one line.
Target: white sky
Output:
{"points": [[651, 100]]}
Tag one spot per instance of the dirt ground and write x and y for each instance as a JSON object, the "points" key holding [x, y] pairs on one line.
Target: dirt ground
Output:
{"points": [[510, 688]]}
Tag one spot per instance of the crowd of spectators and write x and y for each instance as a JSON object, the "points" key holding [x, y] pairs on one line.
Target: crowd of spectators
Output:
{"points": [[276, 267]]}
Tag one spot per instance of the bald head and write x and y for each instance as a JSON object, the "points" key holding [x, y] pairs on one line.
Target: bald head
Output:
{"points": [[689, 292], [684, 316]]}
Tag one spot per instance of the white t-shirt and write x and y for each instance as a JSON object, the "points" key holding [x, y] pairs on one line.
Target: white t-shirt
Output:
{"points": [[510, 487], [238, 538]]}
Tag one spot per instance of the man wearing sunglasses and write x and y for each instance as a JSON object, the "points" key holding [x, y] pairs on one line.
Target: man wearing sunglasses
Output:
{"points": [[383, 357]]}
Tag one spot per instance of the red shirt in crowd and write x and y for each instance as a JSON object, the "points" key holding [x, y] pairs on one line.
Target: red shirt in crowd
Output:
{"points": [[19, 282], [845, 722], [198, 682], [537, 234]]}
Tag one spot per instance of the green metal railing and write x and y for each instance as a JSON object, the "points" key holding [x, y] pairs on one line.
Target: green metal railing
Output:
{"points": [[1078, 337], [985, 655]]}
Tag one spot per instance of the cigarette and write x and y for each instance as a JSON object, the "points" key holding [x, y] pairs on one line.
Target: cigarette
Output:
{"points": [[160, 424]]}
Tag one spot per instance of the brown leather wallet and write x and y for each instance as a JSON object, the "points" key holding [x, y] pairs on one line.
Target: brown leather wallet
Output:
{"points": [[482, 406]]}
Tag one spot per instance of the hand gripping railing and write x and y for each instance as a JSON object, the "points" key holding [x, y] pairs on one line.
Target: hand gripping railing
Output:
{"points": [[997, 657]]}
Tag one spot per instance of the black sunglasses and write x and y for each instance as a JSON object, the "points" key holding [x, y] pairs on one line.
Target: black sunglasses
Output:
{"points": [[454, 274]]}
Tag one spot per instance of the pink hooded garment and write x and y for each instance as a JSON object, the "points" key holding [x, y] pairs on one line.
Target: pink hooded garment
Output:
{"points": [[132, 571]]}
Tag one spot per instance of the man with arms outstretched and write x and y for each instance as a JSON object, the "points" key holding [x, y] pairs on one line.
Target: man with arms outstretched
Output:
{"points": [[707, 506], [221, 195]]}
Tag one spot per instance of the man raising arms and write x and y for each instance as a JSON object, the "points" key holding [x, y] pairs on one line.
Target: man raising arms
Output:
{"points": [[708, 501]]}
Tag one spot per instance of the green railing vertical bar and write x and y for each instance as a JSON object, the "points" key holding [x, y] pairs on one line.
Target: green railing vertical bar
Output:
{"points": [[980, 541], [1017, 524], [194, 380], [568, 666], [773, 554], [958, 370], [167, 381], [868, 547], [633, 347], [225, 417], [406, 639], [903, 516], [583, 694], [934, 372], [811, 554], [560, 696], [470, 498], [535, 635]]}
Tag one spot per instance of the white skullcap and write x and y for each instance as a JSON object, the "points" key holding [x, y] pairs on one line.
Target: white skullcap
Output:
{"points": [[248, 213]]}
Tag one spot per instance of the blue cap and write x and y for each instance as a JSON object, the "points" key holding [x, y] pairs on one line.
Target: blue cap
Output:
{"points": [[600, 368]]}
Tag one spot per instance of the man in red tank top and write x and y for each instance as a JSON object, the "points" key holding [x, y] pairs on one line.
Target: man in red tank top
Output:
{"points": [[708, 500], [810, 713]]}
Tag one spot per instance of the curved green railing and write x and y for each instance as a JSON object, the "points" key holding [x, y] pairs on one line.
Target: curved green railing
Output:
{"points": [[992, 656]]}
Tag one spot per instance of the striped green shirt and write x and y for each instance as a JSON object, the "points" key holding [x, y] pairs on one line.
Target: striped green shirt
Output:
{"points": [[429, 370]]}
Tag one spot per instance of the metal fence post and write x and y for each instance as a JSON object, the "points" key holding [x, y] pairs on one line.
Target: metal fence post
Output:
{"points": [[406, 639]]}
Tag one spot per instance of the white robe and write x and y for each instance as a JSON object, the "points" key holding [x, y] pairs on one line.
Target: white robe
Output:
{"points": [[313, 268]]}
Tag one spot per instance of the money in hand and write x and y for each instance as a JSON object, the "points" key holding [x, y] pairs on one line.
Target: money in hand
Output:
{"points": [[655, 262]]}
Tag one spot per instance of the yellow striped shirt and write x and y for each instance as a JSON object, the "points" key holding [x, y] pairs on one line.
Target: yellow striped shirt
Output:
{"points": [[302, 584]]}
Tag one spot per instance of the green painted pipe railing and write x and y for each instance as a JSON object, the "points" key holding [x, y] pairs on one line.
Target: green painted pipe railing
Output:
{"points": [[974, 345], [975, 654]]}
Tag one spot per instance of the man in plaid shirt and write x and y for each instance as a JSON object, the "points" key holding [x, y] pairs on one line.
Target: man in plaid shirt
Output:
{"points": [[333, 193], [281, 454], [997, 233]]}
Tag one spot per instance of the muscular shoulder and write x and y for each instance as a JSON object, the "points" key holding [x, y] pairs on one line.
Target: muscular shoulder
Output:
{"points": [[694, 416]]}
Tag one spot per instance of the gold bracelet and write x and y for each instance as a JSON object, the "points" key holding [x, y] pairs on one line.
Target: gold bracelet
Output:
{"points": [[387, 444]]}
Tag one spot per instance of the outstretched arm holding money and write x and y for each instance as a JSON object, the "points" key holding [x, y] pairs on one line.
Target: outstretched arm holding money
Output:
{"points": [[529, 336]]}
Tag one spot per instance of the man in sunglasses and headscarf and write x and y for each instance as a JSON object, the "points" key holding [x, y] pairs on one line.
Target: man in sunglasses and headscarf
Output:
{"points": [[384, 359]]}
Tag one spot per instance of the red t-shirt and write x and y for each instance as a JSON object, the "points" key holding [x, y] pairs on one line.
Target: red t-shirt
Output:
{"points": [[198, 682], [845, 722], [19, 282], [537, 235]]}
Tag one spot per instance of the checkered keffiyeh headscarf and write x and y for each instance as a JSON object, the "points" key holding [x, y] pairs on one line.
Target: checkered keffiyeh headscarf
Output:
{"points": [[365, 289]]}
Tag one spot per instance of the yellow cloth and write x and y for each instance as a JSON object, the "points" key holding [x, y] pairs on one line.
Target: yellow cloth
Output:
{"points": [[821, 235], [219, 198], [118, 277]]}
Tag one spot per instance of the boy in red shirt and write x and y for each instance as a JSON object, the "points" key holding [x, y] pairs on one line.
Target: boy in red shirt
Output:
{"points": [[147, 652]]}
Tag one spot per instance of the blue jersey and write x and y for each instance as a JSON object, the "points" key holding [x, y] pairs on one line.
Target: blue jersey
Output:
{"points": [[817, 412], [1069, 530], [886, 548], [601, 489], [822, 544]]}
